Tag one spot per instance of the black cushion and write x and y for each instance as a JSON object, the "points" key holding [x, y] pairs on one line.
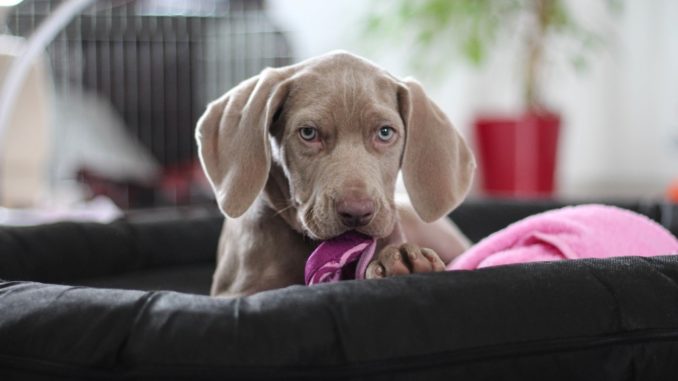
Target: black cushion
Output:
{"points": [[155, 249], [612, 319], [479, 218], [590, 319]]}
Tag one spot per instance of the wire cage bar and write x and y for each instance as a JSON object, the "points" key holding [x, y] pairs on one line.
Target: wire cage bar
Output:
{"points": [[158, 62]]}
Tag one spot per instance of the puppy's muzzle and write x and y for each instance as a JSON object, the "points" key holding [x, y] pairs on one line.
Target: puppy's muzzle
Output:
{"points": [[355, 212]]}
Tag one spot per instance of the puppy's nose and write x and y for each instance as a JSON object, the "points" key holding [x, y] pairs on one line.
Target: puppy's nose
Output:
{"points": [[355, 212]]}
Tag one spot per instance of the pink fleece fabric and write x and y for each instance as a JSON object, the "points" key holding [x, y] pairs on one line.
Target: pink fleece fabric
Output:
{"points": [[585, 231]]}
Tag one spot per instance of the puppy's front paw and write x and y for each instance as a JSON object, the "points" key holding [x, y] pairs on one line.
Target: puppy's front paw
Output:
{"points": [[402, 260]]}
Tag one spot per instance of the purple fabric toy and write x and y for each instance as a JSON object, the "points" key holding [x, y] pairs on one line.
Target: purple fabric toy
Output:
{"points": [[340, 258]]}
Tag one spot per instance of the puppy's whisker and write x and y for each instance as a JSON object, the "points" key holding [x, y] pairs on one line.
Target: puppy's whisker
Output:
{"points": [[283, 210]]}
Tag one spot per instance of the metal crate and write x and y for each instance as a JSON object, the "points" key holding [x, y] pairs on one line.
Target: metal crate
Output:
{"points": [[158, 62]]}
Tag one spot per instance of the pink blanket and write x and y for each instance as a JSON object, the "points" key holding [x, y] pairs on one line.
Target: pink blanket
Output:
{"points": [[586, 231]]}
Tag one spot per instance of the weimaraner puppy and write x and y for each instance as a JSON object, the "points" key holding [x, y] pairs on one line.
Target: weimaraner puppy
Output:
{"points": [[306, 152]]}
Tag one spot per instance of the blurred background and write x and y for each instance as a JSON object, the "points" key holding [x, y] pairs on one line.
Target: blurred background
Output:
{"points": [[570, 99]]}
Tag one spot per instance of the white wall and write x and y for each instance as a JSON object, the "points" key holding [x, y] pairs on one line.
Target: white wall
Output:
{"points": [[620, 136]]}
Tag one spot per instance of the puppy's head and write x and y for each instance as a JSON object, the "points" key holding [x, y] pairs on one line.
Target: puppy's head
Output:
{"points": [[341, 129]]}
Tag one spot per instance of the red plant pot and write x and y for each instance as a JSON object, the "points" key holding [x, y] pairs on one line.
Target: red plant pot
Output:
{"points": [[517, 156]]}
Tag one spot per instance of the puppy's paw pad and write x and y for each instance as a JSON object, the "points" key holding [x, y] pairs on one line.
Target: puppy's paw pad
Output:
{"points": [[402, 260]]}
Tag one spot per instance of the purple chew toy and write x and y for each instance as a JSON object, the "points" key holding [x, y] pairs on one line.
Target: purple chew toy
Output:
{"points": [[343, 257]]}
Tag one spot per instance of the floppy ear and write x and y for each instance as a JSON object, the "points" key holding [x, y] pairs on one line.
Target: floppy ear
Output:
{"points": [[233, 142], [437, 163]]}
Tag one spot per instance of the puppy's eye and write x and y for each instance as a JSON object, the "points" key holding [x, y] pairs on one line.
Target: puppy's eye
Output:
{"points": [[386, 133], [308, 133]]}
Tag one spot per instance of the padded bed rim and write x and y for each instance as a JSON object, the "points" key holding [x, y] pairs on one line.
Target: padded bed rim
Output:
{"points": [[394, 366], [458, 319]]}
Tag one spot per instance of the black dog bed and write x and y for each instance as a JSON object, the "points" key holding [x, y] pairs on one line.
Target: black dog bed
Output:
{"points": [[122, 301]]}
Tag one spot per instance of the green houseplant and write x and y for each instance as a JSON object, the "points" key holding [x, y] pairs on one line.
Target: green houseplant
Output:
{"points": [[517, 153]]}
